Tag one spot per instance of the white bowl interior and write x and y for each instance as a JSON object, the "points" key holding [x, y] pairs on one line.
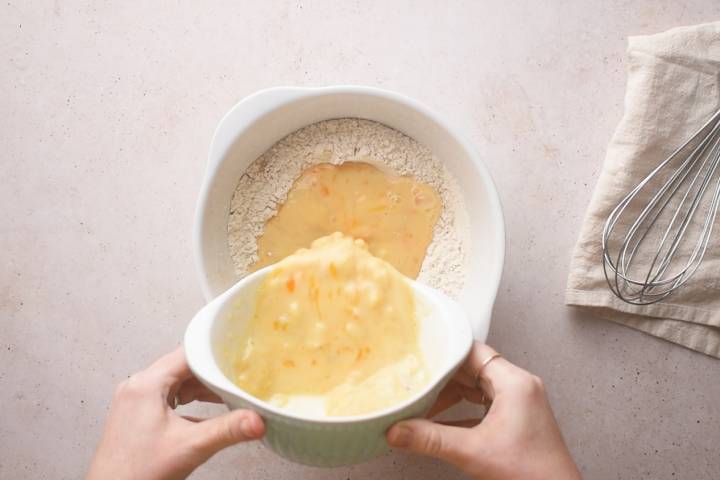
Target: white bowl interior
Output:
{"points": [[444, 338], [260, 120]]}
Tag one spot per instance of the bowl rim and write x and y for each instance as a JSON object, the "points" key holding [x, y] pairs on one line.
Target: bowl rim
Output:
{"points": [[198, 343], [288, 94]]}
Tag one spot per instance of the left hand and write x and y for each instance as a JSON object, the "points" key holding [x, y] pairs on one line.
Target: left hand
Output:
{"points": [[145, 438]]}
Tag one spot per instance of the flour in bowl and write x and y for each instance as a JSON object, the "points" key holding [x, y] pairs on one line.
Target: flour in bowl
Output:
{"points": [[264, 186]]}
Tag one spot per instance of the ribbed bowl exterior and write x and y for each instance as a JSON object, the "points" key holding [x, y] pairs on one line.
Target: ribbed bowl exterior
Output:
{"points": [[333, 444]]}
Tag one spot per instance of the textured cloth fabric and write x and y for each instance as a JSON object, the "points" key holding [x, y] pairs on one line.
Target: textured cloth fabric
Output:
{"points": [[673, 87]]}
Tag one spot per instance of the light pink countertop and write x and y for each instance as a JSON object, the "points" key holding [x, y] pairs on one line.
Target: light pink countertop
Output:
{"points": [[106, 117]]}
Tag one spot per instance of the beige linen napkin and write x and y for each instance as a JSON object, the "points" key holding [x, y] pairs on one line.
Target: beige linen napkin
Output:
{"points": [[673, 87]]}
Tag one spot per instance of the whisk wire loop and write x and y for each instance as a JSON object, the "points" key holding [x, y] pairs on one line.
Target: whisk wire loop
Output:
{"points": [[661, 242]]}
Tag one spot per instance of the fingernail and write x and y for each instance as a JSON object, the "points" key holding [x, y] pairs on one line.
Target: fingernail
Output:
{"points": [[400, 436], [248, 428]]}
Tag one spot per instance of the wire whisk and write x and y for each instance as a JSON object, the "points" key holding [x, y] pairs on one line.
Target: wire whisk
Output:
{"points": [[647, 257]]}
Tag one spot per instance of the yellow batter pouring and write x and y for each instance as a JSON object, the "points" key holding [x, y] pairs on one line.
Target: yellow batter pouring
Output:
{"points": [[394, 215], [333, 323]]}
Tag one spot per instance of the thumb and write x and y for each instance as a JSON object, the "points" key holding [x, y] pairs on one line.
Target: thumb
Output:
{"points": [[452, 444], [214, 434]]}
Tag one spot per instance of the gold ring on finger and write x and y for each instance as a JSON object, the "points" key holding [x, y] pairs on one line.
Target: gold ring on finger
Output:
{"points": [[484, 364]]}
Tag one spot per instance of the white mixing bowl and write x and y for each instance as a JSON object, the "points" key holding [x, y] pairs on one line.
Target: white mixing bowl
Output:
{"points": [[260, 120]]}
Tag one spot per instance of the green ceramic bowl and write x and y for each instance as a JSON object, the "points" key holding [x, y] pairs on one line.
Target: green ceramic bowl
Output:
{"points": [[445, 339]]}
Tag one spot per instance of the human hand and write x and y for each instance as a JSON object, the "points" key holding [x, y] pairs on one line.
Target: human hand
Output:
{"points": [[517, 439], [145, 438]]}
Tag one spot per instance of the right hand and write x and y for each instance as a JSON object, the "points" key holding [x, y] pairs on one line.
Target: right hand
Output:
{"points": [[517, 439]]}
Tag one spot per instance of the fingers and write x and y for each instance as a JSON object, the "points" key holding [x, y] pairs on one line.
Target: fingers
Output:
{"points": [[448, 396], [452, 394], [172, 375], [466, 423], [192, 390], [491, 377], [171, 368], [214, 434], [193, 419], [449, 443]]}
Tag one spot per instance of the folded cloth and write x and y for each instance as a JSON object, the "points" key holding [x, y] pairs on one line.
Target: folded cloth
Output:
{"points": [[673, 87]]}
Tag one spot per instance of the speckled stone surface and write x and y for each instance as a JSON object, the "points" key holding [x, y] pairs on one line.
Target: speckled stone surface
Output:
{"points": [[106, 117]]}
